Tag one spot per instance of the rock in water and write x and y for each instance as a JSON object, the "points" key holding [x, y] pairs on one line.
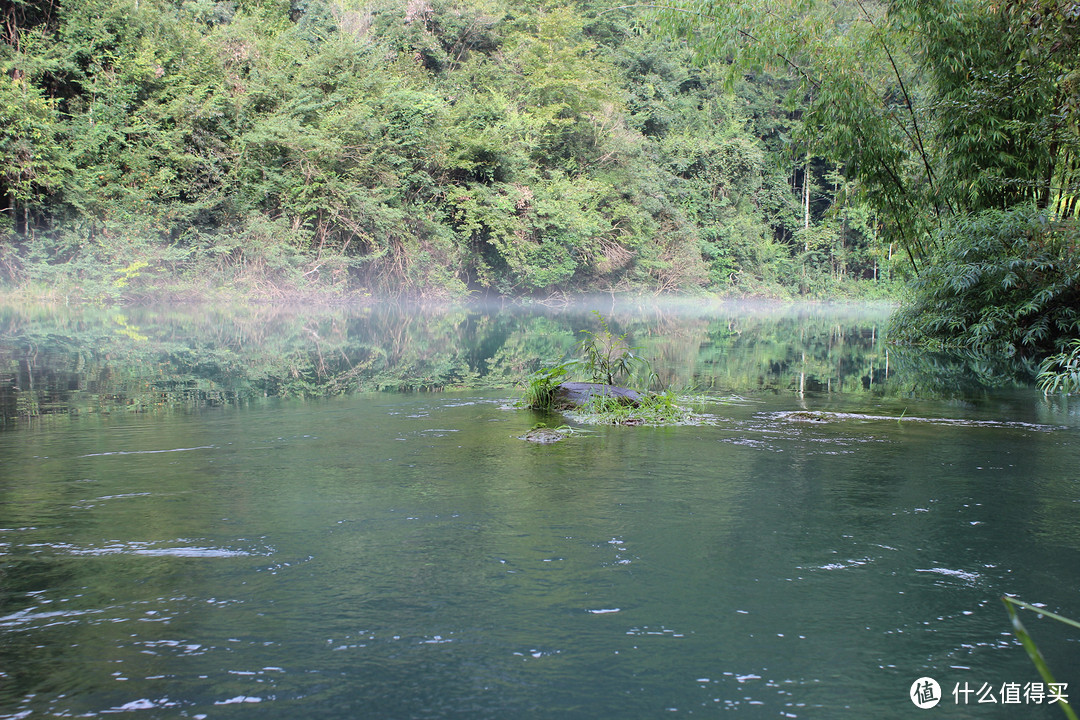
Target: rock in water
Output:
{"points": [[571, 395], [544, 436]]}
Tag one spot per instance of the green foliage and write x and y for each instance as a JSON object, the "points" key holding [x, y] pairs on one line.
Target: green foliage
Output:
{"points": [[930, 110], [605, 357], [1012, 605], [541, 385], [31, 162], [1061, 372], [432, 149], [652, 409], [951, 121], [1000, 282]]}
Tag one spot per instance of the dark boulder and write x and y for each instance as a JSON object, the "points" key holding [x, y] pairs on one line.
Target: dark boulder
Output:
{"points": [[571, 395]]}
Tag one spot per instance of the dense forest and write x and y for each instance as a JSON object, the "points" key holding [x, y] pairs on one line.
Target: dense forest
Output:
{"points": [[957, 121], [429, 148], [441, 148]]}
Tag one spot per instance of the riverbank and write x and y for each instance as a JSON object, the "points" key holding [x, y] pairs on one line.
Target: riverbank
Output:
{"points": [[58, 360], [192, 287]]}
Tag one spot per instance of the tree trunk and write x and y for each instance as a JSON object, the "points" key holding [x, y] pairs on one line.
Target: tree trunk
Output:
{"points": [[806, 197]]}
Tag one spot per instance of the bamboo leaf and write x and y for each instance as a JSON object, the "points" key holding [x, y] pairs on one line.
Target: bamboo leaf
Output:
{"points": [[1032, 649]]}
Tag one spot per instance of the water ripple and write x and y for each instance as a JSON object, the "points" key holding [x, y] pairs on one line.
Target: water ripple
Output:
{"points": [[821, 416], [968, 578], [151, 549], [143, 704], [149, 452], [239, 699]]}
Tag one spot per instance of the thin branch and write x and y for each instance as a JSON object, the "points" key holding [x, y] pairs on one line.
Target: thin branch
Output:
{"points": [[911, 110]]}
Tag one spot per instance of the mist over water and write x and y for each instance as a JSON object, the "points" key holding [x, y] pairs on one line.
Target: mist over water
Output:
{"points": [[228, 514]]}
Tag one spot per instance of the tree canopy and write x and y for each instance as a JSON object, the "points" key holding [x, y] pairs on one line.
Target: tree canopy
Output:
{"points": [[434, 148], [956, 121], [445, 147]]}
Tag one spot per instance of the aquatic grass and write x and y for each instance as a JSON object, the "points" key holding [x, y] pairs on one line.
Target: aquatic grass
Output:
{"points": [[540, 387], [1011, 605], [657, 408], [564, 428], [653, 409]]}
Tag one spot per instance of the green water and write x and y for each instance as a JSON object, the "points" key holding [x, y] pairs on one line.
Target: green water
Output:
{"points": [[185, 546]]}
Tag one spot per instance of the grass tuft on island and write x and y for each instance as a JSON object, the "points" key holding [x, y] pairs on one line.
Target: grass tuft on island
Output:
{"points": [[604, 357], [656, 409]]}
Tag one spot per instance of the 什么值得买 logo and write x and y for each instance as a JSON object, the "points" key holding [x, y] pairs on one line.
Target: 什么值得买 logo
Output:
{"points": [[925, 692]]}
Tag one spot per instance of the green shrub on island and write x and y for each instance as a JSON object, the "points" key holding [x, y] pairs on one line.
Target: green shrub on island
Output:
{"points": [[605, 358]]}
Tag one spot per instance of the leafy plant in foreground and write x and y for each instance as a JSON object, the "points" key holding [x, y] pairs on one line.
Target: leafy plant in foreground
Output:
{"points": [[1011, 604]]}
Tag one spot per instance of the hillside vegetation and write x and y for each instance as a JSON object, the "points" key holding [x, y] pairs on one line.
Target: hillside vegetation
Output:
{"points": [[429, 148], [444, 148]]}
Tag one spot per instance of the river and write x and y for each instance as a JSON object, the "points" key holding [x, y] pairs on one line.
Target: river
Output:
{"points": [[215, 513]]}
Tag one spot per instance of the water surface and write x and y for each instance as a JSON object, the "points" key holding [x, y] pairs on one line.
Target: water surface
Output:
{"points": [[380, 554]]}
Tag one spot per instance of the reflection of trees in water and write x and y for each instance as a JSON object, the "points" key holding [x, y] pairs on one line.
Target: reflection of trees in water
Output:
{"points": [[54, 362], [916, 372], [792, 352]]}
